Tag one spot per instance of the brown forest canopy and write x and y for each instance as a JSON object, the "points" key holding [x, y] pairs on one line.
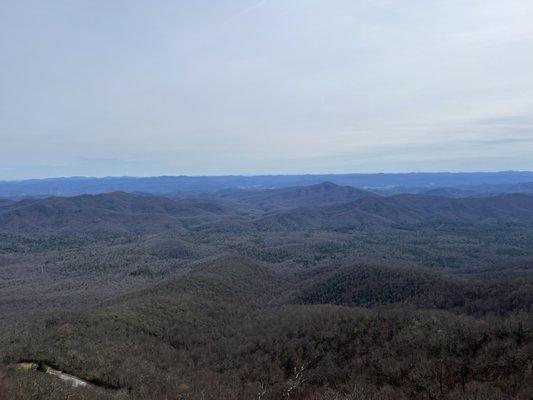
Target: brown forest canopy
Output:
{"points": [[317, 292]]}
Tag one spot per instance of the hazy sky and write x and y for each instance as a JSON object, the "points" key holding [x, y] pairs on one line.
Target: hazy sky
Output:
{"points": [[130, 87]]}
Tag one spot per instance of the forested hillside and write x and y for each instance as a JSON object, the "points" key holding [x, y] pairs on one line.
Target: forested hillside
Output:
{"points": [[318, 292]]}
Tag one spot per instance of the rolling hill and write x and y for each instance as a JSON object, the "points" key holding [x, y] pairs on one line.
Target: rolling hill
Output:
{"points": [[228, 326], [112, 213], [379, 285], [325, 206], [403, 209]]}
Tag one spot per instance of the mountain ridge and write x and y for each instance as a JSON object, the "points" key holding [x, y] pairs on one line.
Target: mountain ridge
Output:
{"points": [[324, 207], [166, 185]]}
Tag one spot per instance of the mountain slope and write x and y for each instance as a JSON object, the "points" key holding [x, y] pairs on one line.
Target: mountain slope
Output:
{"points": [[322, 194], [403, 209], [378, 285], [121, 212], [223, 329], [111, 212]]}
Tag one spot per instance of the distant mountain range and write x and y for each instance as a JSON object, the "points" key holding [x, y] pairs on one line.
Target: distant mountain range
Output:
{"points": [[483, 190], [322, 206], [464, 184]]}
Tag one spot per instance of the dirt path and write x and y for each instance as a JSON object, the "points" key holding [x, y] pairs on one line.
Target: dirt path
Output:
{"points": [[70, 379]]}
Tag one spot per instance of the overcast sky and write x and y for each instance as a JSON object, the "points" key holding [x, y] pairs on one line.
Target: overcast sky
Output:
{"points": [[110, 87]]}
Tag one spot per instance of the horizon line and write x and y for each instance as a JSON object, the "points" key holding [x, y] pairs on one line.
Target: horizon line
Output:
{"points": [[263, 175]]}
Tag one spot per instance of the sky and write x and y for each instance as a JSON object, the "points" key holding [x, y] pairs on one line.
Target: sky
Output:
{"points": [[205, 87]]}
